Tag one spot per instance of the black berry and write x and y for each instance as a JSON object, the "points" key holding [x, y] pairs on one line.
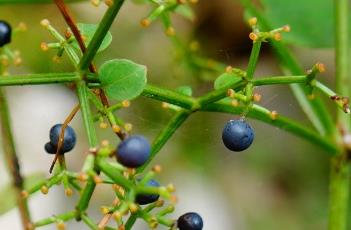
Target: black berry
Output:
{"points": [[69, 139], [237, 135], [190, 221], [51, 149], [148, 198], [5, 33], [133, 152]]}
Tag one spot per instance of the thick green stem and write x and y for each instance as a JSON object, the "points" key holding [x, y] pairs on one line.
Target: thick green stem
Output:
{"points": [[86, 113], [12, 163], [255, 52], [35, 79], [166, 133], [339, 189], [340, 165], [62, 217], [169, 96], [100, 33]]}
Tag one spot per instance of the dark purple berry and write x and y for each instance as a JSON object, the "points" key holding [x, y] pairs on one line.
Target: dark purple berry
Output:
{"points": [[51, 149], [5, 33], [69, 139], [133, 152], [148, 198], [237, 135], [190, 221]]}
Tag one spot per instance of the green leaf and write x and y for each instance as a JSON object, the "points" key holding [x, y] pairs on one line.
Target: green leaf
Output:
{"points": [[225, 80], [186, 90], [88, 31], [8, 196], [186, 11], [311, 22], [122, 79]]}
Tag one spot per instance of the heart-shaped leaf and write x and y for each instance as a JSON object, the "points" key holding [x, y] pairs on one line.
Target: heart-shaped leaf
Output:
{"points": [[225, 80], [122, 79]]}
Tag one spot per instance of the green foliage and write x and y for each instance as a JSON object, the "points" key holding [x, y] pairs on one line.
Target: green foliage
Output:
{"points": [[312, 22], [186, 90], [88, 31], [33, 1], [225, 80], [122, 79], [7, 194]]}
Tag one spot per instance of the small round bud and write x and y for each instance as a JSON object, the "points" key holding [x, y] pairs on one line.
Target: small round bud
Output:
{"points": [[61, 226], [105, 143], [252, 21], [109, 3], [235, 103], [165, 105], [311, 96], [171, 188], [128, 127], [82, 177], [116, 128], [17, 61], [24, 194], [133, 208], [95, 2], [44, 46], [103, 125], [286, 28], [170, 31], [45, 22], [277, 36], [104, 210], [117, 216], [145, 22], [253, 36], [68, 192], [22, 26], [229, 69], [257, 97], [274, 115], [125, 103], [44, 189], [157, 169], [230, 93], [320, 67]]}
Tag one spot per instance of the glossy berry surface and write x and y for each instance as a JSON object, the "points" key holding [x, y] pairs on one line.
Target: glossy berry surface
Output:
{"points": [[148, 198], [69, 139], [190, 221], [134, 151], [237, 135], [51, 149], [5, 33]]}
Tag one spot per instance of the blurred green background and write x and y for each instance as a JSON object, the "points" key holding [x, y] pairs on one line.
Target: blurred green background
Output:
{"points": [[281, 182]]}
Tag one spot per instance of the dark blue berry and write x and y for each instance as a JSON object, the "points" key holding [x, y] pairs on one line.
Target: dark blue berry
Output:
{"points": [[51, 149], [237, 135], [133, 152], [190, 221], [69, 139], [5, 33], [148, 198]]}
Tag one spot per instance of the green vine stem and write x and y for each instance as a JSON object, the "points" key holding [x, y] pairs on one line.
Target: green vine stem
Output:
{"points": [[314, 109], [12, 161], [63, 217], [34, 79], [100, 34], [176, 121], [340, 165], [262, 114]]}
